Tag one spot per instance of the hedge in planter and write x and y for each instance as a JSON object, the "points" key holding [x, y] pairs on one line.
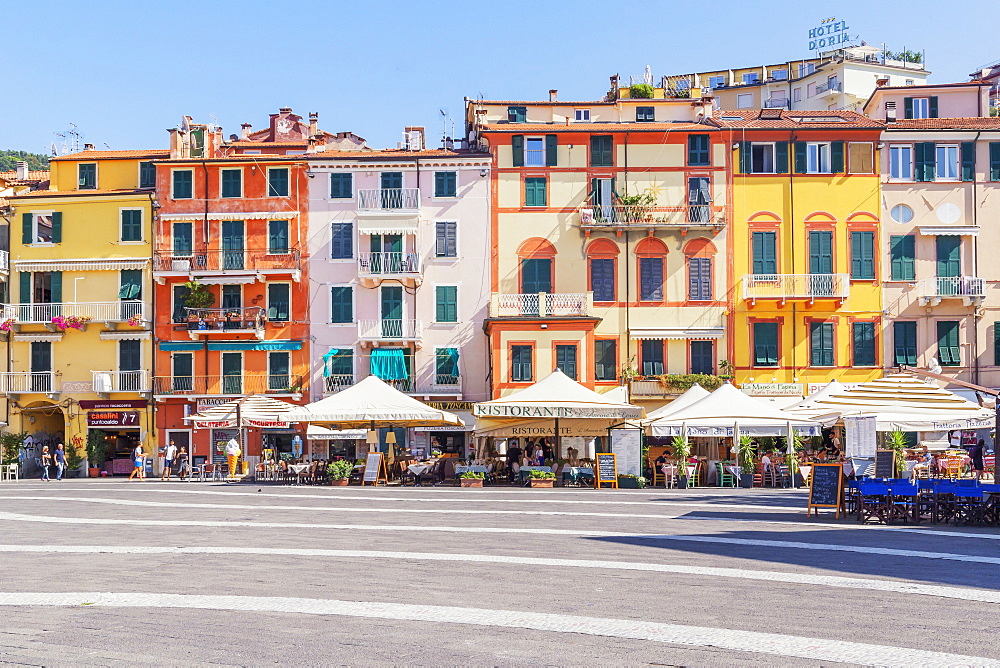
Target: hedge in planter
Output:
{"points": [[541, 478], [471, 478], [340, 472]]}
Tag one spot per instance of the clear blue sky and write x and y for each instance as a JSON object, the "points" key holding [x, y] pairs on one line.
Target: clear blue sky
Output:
{"points": [[124, 71]]}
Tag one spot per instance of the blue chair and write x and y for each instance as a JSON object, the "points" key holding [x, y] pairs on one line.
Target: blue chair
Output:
{"points": [[873, 501], [902, 502]]}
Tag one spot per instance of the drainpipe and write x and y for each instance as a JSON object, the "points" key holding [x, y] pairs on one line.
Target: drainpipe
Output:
{"points": [[204, 171], [976, 317], [628, 280], [791, 216]]}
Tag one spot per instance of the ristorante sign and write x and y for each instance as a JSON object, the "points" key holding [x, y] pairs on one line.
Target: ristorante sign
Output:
{"points": [[522, 411]]}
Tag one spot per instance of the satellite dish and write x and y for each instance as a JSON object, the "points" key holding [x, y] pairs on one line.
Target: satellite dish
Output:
{"points": [[185, 123]]}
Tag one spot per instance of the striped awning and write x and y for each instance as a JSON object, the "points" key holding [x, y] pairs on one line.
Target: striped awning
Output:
{"points": [[92, 264], [132, 335], [950, 230], [644, 333], [388, 225], [38, 337], [232, 215]]}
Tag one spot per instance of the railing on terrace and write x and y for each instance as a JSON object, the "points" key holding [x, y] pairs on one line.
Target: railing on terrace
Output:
{"points": [[626, 215], [21, 382], [796, 286], [541, 304], [389, 199], [106, 382], [776, 104], [120, 311], [952, 287], [650, 387], [378, 264], [259, 383], [250, 318], [389, 329], [337, 382], [215, 259], [836, 86]]}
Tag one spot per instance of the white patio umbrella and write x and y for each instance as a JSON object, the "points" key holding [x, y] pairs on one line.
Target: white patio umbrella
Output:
{"points": [[690, 396]]}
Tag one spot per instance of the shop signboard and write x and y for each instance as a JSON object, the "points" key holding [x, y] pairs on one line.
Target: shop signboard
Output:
{"points": [[860, 436], [885, 463], [112, 405], [826, 488], [627, 446], [450, 406], [828, 34], [606, 471], [113, 419], [553, 412], [772, 389]]}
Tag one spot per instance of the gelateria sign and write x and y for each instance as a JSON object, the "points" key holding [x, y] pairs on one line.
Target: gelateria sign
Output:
{"points": [[829, 33]]}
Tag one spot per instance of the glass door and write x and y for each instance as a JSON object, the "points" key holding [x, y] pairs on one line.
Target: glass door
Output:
{"points": [[232, 373], [392, 312], [232, 244]]}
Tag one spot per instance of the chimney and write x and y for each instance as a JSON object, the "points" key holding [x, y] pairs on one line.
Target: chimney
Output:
{"points": [[22, 170], [552, 94], [313, 123], [88, 147], [245, 131], [414, 137], [882, 83]]}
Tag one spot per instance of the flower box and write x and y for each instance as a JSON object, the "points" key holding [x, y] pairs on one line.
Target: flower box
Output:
{"points": [[542, 482]]}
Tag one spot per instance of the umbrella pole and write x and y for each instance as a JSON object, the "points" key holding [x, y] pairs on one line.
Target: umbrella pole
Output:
{"points": [[558, 451]]}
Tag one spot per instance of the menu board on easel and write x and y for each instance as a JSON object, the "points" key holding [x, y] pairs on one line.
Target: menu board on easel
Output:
{"points": [[885, 463], [826, 489], [606, 471], [374, 469]]}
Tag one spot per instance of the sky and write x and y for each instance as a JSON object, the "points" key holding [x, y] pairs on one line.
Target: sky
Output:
{"points": [[125, 71]]}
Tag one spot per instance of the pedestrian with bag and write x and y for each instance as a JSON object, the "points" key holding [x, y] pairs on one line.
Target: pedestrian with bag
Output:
{"points": [[138, 464], [168, 460], [46, 463], [183, 466]]}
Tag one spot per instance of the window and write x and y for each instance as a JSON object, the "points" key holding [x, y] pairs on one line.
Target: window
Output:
{"points": [[446, 366], [946, 162], [446, 301], [924, 161], [645, 114], [901, 162], [948, 250], [180, 293], [87, 176], [901, 258], [968, 157], [860, 158], [277, 182], [277, 236], [948, 348], [761, 158], [445, 184], [751, 78], [702, 357], [995, 161], [744, 100], [806, 69], [232, 373], [182, 241], [820, 252], [651, 279], [341, 186], [131, 224], [41, 228], [779, 75], [605, 359], [652, 357], [232, 183], [699, 200], [517, 114], [996, 343], [700, 279], [920, 107], [232, 296], [901, 213], [41, 287], [863, 343], [698, 150], [445, 239], [764, 249], [534, 191], [817, 158], [183, 372], [338, 368], [131, 284], [863, 256], [602, 279], [520, 364], [904, 342], [765, 344], [147, 175], [279, 367], [341, 241], [183, 184], [41, 362], [341, 304], [601, 151], [717, 82], [797, 94], [534, 152], [583, 115], [821, 344], [278, 302], [566, 360]]}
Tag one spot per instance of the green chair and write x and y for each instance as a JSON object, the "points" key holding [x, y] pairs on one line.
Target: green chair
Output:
{"points": [[722, 478]]}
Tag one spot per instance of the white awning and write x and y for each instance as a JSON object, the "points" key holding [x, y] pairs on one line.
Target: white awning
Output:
{"points": [[91, 264], [388, 226], [468, 423], [38, 337], [643, 333], [232, 215], [225, 280], [133, 335], [314, 432], [952, 230]]}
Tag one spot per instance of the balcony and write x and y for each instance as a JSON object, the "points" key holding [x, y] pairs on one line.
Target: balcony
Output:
{"points": [[337, 382], [829, 89], [776, 103], [228, 385], [969, 289], [542, 305], [110, 314], [405, 267], [226, 321], [208, 261], [651, 388], [15, 383], [389, 201], [389, 330], [112, 382], [626, 216], [796, 286]]}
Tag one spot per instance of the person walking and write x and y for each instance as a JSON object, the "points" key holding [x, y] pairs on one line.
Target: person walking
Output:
{"points": [[60, 461], [137, 461], [182, 463], [46, 462], [233, 453], [976, 453], [168, 460]]}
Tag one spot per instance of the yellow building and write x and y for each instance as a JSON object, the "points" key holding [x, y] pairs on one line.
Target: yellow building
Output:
{"points": [[77, 324], [804, 236]]}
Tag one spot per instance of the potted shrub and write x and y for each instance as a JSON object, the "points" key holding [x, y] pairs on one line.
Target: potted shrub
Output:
{"points": [[199, 296], [74, 460], [896, 441], [471, 478], [682, 450], [10, 446], [541, 478], [629, 481], [97, 450], [641, 91], [745, 456], [340, 472]]}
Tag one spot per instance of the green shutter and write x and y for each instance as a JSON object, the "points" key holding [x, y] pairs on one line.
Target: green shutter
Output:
{"points": [[968, 161], [949, 256], [517, 149], [25, 281], [26, 223], [904, 342], [534, 192], [57, 227], [800, 157], [745, 164], [862, 255], [932, 107], [551, 150], [765, 259], [907, 107], [765, 343], [781, 157], [995, 161], [56, 282], [863, 340], [446, 297], [949, 353], [901, 253], [820, 252], [821, 344], [131, 284], [837, 157], [278, 297], [924, 160]]}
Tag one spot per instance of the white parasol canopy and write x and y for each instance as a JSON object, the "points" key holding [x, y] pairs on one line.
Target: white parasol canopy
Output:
{"points": [[692, 394], [727, 411], [252, 411], [372, 401]]}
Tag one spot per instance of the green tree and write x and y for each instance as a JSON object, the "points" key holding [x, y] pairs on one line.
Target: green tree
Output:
{"points": [[10, 444], [9, 159]]}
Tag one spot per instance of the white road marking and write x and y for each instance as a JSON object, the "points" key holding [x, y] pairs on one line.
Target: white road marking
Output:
{"points": [[868, 550], [893, 586], [817, 649]]}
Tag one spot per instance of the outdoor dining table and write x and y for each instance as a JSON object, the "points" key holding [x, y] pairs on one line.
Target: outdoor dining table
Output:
{"points": [[575, 473], [474, 468], [298, 470]]}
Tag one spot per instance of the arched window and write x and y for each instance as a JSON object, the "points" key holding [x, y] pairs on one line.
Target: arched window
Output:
{"points": [[537, 270], [651, 259], [602, 269]]}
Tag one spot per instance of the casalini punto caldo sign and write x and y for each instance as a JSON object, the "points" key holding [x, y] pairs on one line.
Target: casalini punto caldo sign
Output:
{"points": [[112, 418]]}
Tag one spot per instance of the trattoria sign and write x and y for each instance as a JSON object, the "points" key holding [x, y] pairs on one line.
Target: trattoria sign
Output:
{"points": [[553, 412], [829, 33], [112, 418]]}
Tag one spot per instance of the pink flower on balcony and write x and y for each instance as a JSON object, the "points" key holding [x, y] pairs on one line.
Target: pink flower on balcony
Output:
{"points": [[71, 321], [7, 324]]}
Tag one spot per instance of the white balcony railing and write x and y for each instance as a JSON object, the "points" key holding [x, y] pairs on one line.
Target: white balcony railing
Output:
{"points": [[4, 261], [627, 215], [933, 290], [337, 382], [776, 103], [541, 305], [796, 286], [380, 264], [389, 199], [830, 87], [119, 311], [22, 382], [389, 330], [107, 382]]}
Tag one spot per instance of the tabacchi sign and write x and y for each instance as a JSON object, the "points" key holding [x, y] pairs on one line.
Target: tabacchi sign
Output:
{"points": [[830, 32]]}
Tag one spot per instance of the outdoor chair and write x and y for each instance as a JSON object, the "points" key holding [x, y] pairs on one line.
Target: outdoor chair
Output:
{"points": [[656, 475], [902, 502], [873, 501], [8, 472], [407, 476], [783, 475], [722, 478], [968, 506]]}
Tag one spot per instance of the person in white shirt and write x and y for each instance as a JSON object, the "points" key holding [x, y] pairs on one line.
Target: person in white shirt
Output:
{"points": [[168, 460]]}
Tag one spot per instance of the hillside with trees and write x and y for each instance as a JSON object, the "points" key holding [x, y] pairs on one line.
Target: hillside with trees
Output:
{"points": [[36, 161]]}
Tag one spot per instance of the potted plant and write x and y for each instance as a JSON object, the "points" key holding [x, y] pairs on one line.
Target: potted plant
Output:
{"points": [[10, 446], [541, 478], [682, 450], [745, 456], [629, 481], [340, 472], [199, 296], [74, 460], [471, 478], [896, 441], [97, 450]]}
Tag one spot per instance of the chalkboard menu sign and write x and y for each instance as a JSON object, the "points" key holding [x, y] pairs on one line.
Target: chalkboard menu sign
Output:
{"points": [[607, 470], [885, 463], [374, 470], [827, 488]]}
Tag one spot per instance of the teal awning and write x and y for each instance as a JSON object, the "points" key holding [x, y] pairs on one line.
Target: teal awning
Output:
{"points": [[255, 345], [179, 346], [329, 355], [389, 364]]}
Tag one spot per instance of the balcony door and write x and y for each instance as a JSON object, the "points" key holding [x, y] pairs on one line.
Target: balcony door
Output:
{"points": [[820, 263], [41, 366], [392, 190], [387, 253], [392, 312], [183, 372], [233, 244], [130, 366], [536, 276], [604, 199], [232, 373], [703, 357], [949, 264]]}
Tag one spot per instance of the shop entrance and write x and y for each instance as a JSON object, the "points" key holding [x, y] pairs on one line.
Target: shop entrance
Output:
{"points": [[219, 439], [449, 443], [281, 443]]}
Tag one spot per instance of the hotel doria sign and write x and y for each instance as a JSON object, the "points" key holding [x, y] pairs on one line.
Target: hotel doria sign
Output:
{"points": [[829, 33], [521, 411]]}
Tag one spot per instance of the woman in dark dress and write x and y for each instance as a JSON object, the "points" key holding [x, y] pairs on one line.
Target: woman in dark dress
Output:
{"points": [[976, 453]]}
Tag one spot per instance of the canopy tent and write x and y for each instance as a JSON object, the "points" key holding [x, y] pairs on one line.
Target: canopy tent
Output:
{"points": [[369, 404], [252, 411], [898, 401], [314, 432], [692, 394], [728, 411]]}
